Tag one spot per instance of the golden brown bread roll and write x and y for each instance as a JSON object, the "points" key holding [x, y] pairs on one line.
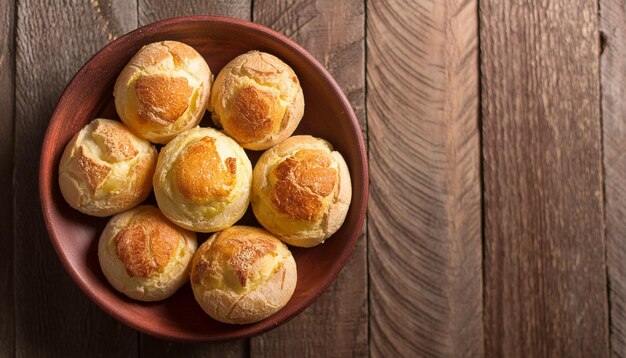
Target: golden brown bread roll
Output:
{"points": [[301, 190], [243, 275], [257, 99], [202, 181], [105, 169], [163, 90], [144, 255]]}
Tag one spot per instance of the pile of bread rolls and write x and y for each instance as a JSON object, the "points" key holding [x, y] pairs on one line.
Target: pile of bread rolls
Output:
{"points": [[203, 181]]}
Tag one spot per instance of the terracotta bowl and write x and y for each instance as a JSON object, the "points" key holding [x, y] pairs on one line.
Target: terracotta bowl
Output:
{"points": [[89, 95]]}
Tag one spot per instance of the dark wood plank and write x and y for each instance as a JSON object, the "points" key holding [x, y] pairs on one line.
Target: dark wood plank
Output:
{"points": [[53, 317], [424, 250], [150, 11], [154, 347], [7, 89], [336, 325], [613, 87], [545, 280], [154, 10]]}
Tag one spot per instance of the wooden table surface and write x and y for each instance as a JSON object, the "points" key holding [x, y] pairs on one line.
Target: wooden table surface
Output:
{"points": [[496, 138]]}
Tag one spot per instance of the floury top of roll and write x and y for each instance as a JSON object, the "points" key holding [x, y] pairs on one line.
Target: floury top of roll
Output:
{"points": [[144, 255], [202, 180], [257, 100], [301, 190], [106, 169], [243, 275], [163, 90]]}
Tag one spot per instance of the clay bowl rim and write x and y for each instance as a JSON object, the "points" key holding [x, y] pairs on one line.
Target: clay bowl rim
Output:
{"points": [[360, 203]]}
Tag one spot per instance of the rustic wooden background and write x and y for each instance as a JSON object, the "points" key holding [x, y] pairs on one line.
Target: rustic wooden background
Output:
{"points": [[496, 133]]}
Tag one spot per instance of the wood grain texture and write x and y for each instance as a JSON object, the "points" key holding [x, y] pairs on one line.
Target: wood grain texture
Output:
{"points": [[154, 347], [53, 318], [7, 89], [425, 206], [545, 280], [613, 88], [154, 10], [336, 325], [151, 11]]}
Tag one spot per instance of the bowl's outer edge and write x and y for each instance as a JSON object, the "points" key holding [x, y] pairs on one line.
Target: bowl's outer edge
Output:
{"points": [[46, 163]]}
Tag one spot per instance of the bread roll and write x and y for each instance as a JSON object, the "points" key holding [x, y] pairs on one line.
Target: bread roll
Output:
{"points": [[301, 190], [243, 275], [163, 90], [257, 99], [105, 169], [144, 255], [202, 181]]}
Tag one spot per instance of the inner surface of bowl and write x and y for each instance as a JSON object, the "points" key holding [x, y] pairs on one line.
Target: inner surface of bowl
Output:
{"points": [[327, 115]]}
